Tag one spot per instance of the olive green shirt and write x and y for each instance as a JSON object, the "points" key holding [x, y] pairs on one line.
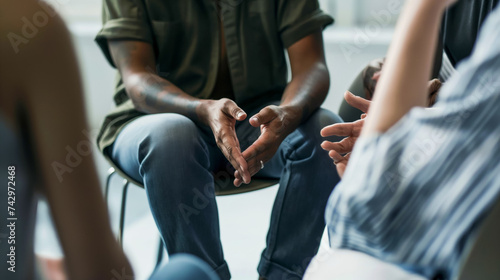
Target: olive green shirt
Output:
{"points": [[185, 35]]}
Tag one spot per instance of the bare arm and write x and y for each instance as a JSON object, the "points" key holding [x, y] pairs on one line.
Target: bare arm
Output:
{"points": [[53, 100], [152, 94], [310, 77], [304, 94], [404, 79], [309, 85], [149, 92]]}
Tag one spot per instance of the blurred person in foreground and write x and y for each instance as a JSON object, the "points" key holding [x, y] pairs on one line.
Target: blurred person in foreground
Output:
{"points": [[419, 181], [41, 115]]}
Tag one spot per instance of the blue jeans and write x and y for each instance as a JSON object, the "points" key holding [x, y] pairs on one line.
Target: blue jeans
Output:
{"points": [[177, 162]]}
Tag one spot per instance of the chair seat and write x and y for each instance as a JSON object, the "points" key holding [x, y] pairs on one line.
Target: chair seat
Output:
{"points": [[222, 187], [227, 188]]}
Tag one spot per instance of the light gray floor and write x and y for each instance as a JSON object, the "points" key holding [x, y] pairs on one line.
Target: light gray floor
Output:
{"points": [[244, 218]]}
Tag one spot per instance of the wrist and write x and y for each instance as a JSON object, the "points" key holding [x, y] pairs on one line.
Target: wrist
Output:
{"points": [[293, 114], [203, 110]]}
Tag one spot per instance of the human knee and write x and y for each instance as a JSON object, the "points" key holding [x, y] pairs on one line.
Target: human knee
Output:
{"points": [[172, 138], [308, 139], [184, 266], [318, 120]]}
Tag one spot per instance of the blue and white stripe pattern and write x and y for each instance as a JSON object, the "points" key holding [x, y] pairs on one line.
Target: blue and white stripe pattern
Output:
{"points": [[413, 196]]}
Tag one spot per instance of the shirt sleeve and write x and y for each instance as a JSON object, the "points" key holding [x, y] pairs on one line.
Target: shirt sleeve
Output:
{"points": [[299, 18], [123, 19]]}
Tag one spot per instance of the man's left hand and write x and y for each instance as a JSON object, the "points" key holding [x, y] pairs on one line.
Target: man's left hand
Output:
{"points": [[276, 123]]}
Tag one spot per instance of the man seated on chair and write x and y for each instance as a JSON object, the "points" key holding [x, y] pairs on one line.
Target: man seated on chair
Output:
{"points": [[203, 95]]}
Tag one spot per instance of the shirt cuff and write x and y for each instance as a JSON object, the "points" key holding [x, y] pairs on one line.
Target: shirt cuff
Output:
{"points": [[307, 26], [122, 28]]}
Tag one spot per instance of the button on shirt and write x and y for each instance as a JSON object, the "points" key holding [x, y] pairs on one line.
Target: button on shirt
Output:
{"points": [[414, 195], [185, 36]]}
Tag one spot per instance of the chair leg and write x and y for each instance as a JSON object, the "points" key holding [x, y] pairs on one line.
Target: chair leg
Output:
{"points": [[122, 212], [160, 254], [111, 171]]}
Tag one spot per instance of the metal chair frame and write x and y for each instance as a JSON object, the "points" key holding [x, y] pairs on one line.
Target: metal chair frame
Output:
{"points": [[123, 208], [259, 184]]}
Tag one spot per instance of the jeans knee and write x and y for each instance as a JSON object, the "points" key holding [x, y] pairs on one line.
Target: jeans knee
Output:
{"points": [[307, 140], [322, 118], [316, 122], [173, 141]]}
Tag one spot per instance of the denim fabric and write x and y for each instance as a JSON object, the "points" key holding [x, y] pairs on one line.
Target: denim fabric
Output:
{"points": [[184, 267], [15, 158], [177, 161]]}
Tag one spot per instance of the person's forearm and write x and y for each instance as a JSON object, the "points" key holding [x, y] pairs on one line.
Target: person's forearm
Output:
{"points": [[404, 79], [149, 92], [307, 91], [153, 94]]}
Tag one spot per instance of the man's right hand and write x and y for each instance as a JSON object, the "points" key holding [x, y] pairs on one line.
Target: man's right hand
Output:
{"points": [[221, 116], [341, 151]]}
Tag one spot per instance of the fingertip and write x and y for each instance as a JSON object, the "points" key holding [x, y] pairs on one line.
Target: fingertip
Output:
{"points": [[322, 132], [323, 144], [246, 178], [254, 121], [241, 116], [350, 97], [237, 183], [331, 154], [330, 130]]}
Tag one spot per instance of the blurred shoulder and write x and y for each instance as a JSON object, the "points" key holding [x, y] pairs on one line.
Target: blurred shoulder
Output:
{"points": [[28, 24], [13, 11], [22, 20]]}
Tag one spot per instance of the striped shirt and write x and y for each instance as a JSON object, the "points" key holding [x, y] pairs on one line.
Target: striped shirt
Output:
{"points": [[414, 195]]}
